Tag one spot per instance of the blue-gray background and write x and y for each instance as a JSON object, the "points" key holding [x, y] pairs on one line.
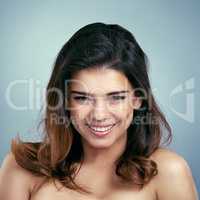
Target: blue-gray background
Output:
{"points": [[32, 33]]}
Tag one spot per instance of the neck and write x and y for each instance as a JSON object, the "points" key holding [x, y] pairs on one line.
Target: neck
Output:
{"points": [[104, 158], [99, 166]]}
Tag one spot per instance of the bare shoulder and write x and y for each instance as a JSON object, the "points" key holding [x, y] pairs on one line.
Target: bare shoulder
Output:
{"points": [[169, 160], [174, 179], [10, 166], [15, 181]]}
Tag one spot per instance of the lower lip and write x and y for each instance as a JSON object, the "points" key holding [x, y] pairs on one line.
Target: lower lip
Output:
{"points": [[101, 133]]}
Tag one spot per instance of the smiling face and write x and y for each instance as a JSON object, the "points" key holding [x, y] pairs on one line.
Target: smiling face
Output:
{"points": [[101, 103]]}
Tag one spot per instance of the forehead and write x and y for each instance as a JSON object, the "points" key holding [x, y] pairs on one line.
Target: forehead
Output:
{"points": [[99, 81]]}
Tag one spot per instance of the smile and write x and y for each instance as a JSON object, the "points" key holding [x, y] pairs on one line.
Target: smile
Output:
{"points": [[101, 131]]}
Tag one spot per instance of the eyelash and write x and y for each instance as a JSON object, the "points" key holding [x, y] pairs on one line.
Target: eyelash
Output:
{"points": [[82, 98], [119, 97]]}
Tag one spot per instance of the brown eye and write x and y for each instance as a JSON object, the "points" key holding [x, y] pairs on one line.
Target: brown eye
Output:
{"points": [[117, 99], [81, 99]]}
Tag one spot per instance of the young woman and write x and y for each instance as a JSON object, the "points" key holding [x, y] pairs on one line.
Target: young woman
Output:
{"points": [[103, 129]]}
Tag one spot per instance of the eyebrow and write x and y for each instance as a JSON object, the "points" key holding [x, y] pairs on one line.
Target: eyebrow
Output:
{"points": [[108, 94]]}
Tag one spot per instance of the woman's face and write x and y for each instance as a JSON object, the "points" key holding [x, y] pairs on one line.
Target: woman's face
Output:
{"points": [[101, 103]]}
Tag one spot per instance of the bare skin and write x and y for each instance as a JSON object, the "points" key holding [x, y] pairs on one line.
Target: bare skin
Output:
{"points": [[174, 180]]}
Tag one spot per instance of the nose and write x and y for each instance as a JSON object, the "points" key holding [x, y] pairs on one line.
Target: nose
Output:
{"points": [[99, 111]]}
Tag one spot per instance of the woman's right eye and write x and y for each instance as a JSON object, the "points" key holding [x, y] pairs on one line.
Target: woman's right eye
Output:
{"points": [[81, 98]]}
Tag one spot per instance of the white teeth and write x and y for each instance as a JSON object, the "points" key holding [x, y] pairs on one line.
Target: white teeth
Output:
{"points": [[102, 129]]}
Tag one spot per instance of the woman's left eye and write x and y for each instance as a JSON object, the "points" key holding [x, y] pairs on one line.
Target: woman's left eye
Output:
{"points": [[118, 97]]}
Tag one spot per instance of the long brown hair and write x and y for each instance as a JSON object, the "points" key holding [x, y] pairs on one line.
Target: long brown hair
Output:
{"points": [[56, 156]]}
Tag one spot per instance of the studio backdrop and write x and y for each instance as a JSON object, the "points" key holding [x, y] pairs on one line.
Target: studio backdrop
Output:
{"points": [[32, 33]]}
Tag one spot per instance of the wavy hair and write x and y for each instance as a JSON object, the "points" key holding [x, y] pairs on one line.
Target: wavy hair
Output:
{"points": [[57, 157]]}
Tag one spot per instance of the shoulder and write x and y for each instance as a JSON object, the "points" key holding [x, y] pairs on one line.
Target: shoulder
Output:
{"points": [[169, 161], [174, 179], [15, 181]]}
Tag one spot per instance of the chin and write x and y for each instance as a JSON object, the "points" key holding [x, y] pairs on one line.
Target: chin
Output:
{"points": [[100, 144]]}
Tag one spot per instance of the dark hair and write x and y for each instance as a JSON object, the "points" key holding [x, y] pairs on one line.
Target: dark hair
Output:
{"points": [[94, 46]]}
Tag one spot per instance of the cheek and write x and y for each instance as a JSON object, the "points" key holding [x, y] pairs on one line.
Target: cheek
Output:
{"points": [[77, 116], [78, 111], [126, 116]]}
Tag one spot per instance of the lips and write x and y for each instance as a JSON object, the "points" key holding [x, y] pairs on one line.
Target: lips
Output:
{"points": [[101, 130]]}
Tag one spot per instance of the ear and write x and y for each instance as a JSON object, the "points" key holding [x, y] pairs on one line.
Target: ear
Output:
{"points": [[137, 102]]}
